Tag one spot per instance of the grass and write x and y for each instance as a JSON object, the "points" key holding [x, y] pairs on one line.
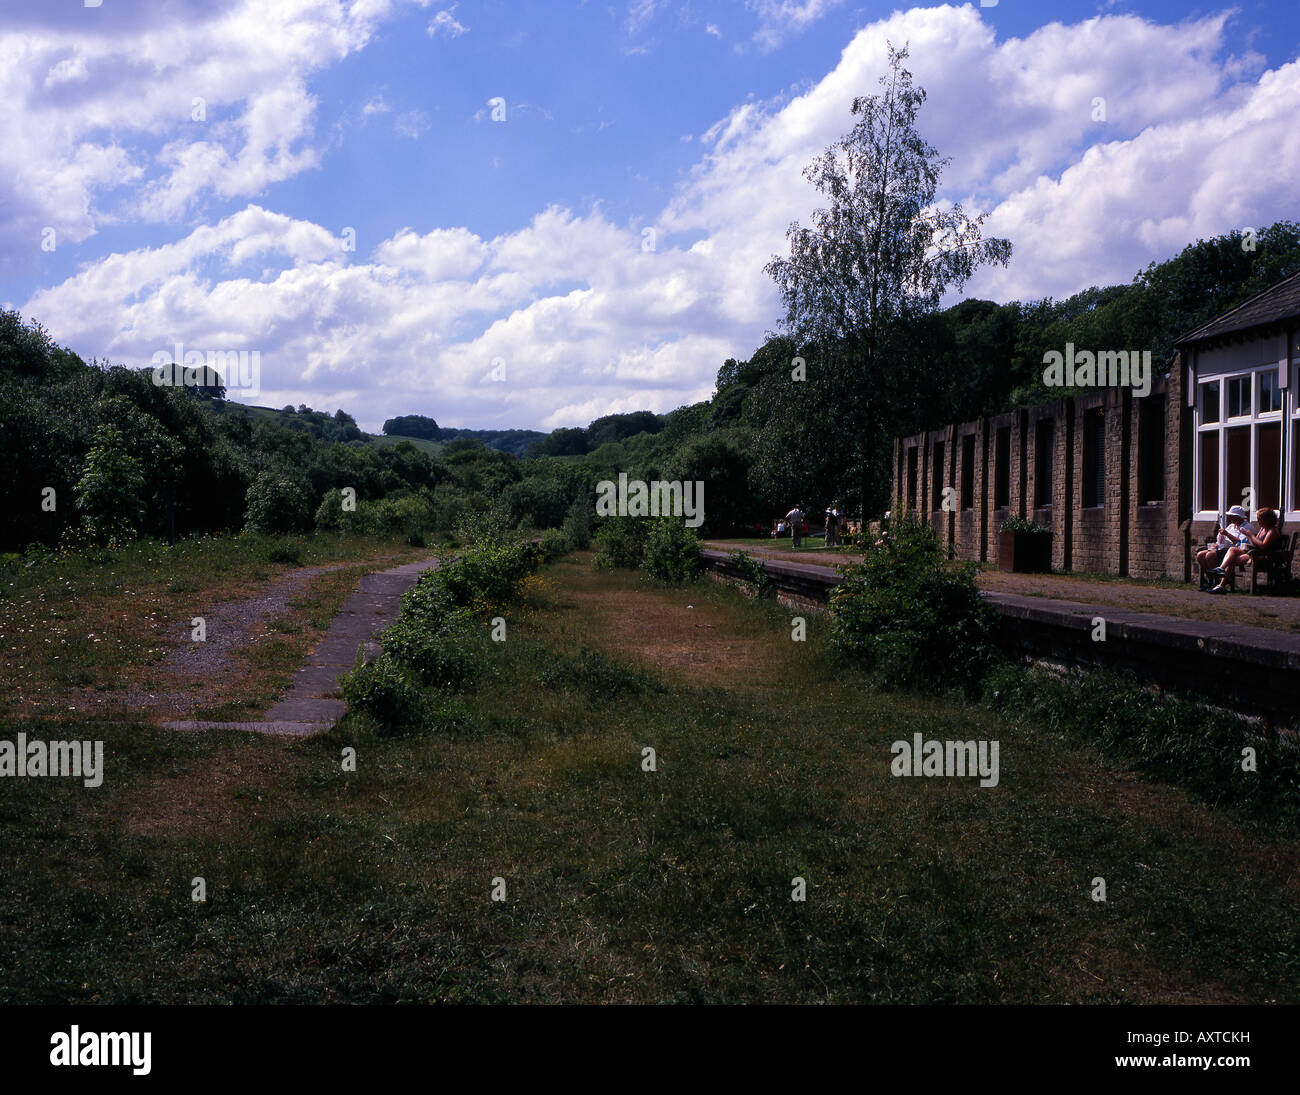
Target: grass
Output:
{"points": [[74, 633], [634, 886]]}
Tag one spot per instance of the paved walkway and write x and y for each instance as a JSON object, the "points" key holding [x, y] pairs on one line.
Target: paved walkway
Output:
{"points": [[310, 706], [1277, 613]]}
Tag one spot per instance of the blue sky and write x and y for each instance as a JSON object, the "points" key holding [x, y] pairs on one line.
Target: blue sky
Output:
{"points": [[501, 274]]}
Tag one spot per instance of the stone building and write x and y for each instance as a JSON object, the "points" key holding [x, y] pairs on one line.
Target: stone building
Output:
{"points": [[1130, 484]]}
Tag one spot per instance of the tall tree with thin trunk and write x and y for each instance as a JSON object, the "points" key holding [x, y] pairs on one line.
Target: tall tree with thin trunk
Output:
{"points": [[879, 257]]}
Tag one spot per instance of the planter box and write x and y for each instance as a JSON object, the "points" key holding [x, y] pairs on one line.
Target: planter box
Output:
{"points": [[1024, 552]]}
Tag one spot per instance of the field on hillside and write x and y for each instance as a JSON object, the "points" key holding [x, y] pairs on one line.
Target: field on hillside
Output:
{"points": [[771, 765]]}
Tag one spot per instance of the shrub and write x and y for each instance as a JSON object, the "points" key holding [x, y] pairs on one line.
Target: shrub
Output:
{"points": [[577, 525], [448, 653], [620, 542], [386, 690], [752, 570], [285, 550], [672, 551], [276, 503], [553, 544], [911, 619], [110, 492]]}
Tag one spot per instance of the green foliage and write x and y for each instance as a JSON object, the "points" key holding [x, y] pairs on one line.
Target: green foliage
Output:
{"points": [[620, 542], [110, 492], [554, 543], [276, 502], [577, 525], [752, 570], [910, 618], [1169, 739], [449, 651], [1024, 525], [594, 673], [413, 425], [672, 551], [387, 691], [284, 550]]}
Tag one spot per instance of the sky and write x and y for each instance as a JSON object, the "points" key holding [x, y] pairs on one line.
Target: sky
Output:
{"points": [[533, 214]]}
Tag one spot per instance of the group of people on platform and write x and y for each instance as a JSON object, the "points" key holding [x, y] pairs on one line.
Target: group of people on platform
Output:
{"points": [[1237, 542], [795, 525]]}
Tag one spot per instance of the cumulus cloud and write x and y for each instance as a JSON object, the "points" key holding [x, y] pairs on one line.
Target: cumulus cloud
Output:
{"points": [[587, 322], [200, 99]]}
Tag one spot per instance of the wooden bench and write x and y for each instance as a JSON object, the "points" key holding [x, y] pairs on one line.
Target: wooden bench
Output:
{"points": [[1274, 565]]}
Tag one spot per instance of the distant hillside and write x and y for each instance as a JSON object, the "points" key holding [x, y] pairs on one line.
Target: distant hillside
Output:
{"points": [[515, 442], [419, 425]]}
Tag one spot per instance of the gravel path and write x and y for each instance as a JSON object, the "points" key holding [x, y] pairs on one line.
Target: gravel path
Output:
{"points": [[310, 706]]}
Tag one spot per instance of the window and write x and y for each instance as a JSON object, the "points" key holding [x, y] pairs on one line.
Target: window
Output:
{"points": [[1094, 458], [1002, 468], [1239, 397], [1270, 395], [1209, 444], [1044, 451], [968, 471], [937, 496], [1239, 443], [1210, 401], [1151, 449], [911, 477]]}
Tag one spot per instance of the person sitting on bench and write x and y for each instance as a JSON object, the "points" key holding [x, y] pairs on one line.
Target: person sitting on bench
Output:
{"points": [[1268, 538], [1230, 532]]}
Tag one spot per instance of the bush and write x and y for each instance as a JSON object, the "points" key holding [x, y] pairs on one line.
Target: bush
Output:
{"points": [[387, 691], [753, 572], [286, 550], [450, 653], [672, 551], [910, 618], [577, 525], [276, 503], [620, 542], [553, 544]]}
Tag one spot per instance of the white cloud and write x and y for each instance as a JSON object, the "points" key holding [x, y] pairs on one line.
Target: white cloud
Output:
{"points": [[445, 22], [87, 111], [588, 323], [782, 19]]}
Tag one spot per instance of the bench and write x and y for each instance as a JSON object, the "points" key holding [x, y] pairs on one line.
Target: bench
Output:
{"points": [[1275, 566]]}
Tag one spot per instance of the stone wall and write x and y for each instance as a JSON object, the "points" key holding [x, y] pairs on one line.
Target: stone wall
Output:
{"points": [[1131, 521]]}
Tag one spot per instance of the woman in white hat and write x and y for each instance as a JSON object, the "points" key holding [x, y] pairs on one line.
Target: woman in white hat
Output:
{"points": [[1227, 535]]}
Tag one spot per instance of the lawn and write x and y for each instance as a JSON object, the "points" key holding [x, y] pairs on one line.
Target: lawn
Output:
{"points": [[627, 885]]}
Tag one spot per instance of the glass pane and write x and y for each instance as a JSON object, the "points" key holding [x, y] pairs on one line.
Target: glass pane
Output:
{"points": [[1210, 402], [1268, 464], [1237, 477], [1270, 395], [1238, 396], [1209, 442]]}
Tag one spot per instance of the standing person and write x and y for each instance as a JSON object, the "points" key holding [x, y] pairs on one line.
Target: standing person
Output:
{"points": [[832, 527], [795, 519]]}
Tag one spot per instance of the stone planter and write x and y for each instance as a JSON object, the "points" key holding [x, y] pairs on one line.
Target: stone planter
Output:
{"points": [[1025, 552]]}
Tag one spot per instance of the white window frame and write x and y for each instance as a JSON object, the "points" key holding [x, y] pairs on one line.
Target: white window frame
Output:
{"points": [[1253, 420]]}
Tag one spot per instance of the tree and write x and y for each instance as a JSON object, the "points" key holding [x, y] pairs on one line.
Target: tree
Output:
{"points": [[877, 259], [110, 492]]}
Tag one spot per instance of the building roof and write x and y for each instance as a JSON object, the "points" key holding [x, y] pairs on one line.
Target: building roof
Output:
{"points": [[1276, 304]]}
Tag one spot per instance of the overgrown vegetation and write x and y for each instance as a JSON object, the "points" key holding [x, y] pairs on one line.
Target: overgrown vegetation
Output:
{"points": [[440, 640], [910, 617]]}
